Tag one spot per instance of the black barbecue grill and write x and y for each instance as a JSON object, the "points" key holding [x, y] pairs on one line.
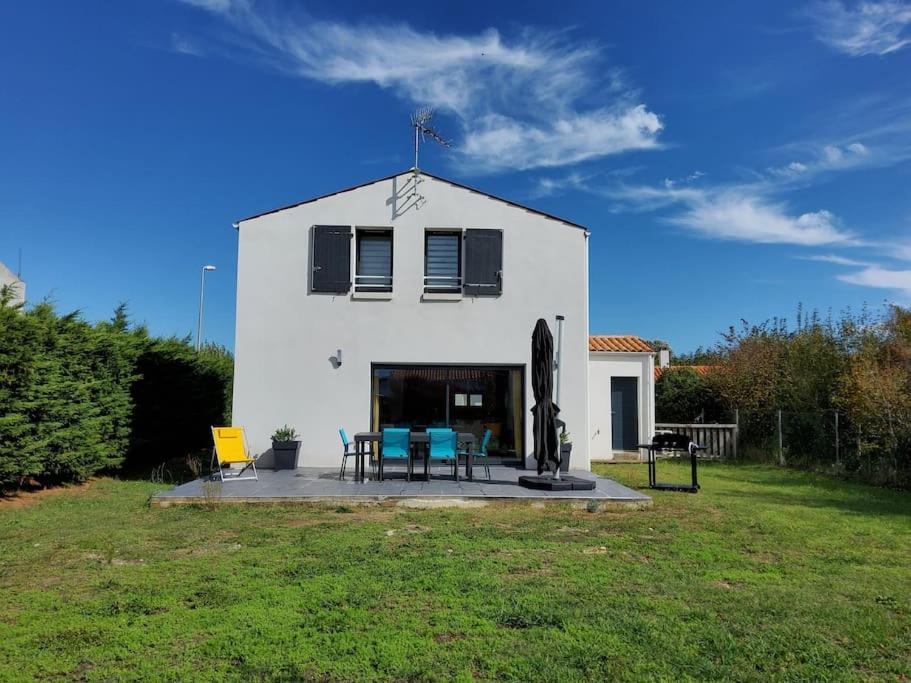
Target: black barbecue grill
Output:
{"points": [[675, 445]]}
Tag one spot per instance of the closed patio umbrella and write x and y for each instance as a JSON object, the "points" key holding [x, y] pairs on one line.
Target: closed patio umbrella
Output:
{"points": [[547, 446]]}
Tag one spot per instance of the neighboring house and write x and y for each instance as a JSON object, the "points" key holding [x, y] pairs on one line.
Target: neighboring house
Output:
{"points": [[408, 300], [621, 384], [9, 279]]}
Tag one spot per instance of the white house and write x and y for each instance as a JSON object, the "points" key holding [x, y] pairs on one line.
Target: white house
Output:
{"points": [[621, 380], [9, 279], [406, 300]]}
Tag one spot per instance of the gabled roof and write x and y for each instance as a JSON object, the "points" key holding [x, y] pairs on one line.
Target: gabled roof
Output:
{"points": [[618, 343], [701, 370], [424, 173]]}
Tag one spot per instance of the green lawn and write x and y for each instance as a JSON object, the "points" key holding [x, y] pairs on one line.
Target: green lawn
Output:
{"points": [[766, 573]]}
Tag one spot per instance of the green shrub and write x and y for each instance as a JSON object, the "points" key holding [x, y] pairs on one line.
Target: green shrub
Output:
{"points": [[682, 395], [77, 398]]}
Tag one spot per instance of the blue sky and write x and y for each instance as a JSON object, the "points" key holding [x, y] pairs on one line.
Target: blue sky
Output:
{"points": [[730, 159]]}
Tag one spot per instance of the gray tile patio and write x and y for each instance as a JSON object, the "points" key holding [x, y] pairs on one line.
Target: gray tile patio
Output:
{"points": [[313, 484]]}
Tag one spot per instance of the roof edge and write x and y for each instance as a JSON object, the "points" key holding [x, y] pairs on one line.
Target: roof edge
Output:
{"points": [[538, 212]]}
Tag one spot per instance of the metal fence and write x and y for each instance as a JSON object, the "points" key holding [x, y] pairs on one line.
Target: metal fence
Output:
{"points": [[775, 434], [815, 439]]}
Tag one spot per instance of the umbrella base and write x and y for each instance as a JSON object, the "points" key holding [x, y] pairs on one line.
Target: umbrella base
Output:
{"points": [[548, 483]]}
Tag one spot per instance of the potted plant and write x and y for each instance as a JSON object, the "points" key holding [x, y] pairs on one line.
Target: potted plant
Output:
{"points": [[566, 448], [285, 446]]}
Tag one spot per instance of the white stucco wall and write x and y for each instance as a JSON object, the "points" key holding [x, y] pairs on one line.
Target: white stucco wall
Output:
{"points": [[286, 336], [603, 366]]}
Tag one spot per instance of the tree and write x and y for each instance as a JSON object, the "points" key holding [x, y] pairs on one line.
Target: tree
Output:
{"points": [[683, 396]]}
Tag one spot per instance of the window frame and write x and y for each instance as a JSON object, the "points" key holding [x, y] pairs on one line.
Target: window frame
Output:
{"points": [[457, 234], [366, 288]]}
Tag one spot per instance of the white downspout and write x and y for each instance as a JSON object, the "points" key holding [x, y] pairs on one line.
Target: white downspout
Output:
{"points": [[559, 369], [559, 359]]}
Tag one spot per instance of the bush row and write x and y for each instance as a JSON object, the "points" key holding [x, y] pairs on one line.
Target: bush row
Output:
{"points": [[843, 388], [78, 398]]}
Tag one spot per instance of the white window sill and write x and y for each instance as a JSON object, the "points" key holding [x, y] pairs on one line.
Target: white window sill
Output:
{"points": [[441, 296], [375, 296]]}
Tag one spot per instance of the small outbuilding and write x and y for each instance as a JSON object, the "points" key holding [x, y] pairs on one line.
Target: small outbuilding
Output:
{"points": [[621, 381]]}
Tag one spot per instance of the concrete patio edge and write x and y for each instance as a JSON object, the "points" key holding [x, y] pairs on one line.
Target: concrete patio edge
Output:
{"points": [[405, 501]]}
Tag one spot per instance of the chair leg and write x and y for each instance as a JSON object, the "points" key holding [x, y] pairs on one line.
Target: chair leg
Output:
{"points": [[341, 472]]}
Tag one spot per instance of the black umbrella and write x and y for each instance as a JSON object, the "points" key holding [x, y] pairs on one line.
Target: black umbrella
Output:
{"points": [[547, 446]]}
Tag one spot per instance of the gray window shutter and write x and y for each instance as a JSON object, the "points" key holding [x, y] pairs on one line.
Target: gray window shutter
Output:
{"points": [[331, 264], [483, 262]]}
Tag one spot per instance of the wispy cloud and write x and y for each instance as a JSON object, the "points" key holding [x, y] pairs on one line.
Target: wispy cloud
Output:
{"points": [[880, 278], [185, 46], [739, 212], [737, 216], [835, 259], [866, 28], [751, 209], [528, 100], [220, 6], [831, 157]]}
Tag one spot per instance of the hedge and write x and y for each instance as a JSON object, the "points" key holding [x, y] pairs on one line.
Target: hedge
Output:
{"points": [[79, 398]]}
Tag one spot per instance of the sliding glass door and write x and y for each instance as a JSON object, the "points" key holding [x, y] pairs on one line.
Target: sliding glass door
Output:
{"points": [[467, 398]]}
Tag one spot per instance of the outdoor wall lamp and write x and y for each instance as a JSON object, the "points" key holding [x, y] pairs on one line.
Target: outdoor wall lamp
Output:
{"points": [[338, 358]]}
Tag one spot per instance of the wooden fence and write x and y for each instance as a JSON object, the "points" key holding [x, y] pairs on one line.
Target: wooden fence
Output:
{"points": [[720, 440]]}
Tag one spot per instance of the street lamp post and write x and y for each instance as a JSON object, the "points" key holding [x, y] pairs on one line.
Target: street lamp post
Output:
{"points": [[202, 293]]}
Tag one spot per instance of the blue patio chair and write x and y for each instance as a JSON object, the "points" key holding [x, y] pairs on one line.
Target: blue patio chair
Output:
{"points": [[480, 453], [349, 450], [395, 446], [443, 447]]}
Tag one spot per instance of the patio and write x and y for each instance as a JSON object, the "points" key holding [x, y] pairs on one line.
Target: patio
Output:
{"points": [[322, 485]]}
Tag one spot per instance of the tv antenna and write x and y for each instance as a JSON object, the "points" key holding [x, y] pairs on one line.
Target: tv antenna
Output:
{"points": [[420, 121]]}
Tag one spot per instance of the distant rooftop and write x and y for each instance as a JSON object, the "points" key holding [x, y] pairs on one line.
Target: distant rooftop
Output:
{"points": [[701, 370], [618, 343]]}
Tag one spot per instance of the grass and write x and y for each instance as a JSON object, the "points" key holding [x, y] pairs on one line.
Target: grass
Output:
{"points": [[765, 574]]}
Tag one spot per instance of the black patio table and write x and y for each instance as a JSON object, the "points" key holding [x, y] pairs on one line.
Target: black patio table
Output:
{"points": [[361, 439]]}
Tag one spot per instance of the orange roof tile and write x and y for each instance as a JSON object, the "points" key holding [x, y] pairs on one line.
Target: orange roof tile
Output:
{"points": [[702, 370], [618, 343]]}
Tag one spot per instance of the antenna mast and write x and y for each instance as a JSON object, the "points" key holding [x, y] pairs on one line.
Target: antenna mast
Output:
{"points": [[420, 121]]}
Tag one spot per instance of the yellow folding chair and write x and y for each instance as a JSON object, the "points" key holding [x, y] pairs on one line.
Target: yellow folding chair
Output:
{"points": [[230, 447]]}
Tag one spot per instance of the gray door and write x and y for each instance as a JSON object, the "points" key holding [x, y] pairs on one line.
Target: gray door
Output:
{"points": [[624, 400]]}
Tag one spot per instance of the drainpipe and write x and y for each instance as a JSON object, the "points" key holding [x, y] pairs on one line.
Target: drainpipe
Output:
{"points": [[559, 364], [559, 359]]}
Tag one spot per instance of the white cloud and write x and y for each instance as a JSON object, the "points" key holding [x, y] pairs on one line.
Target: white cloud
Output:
{"points": [[867, 28], [545, 187], [517, 99], [501, 142], [183, 45], [882, 278], [829, 158], [219, 6], [737, 216], [837, 260], [733, 212]]}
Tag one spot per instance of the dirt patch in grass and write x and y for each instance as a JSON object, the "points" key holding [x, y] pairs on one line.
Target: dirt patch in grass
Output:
{"points": [[33, 493]]}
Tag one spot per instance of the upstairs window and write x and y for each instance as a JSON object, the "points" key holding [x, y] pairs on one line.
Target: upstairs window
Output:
{"points": [[374, 261], [442, 262]]}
